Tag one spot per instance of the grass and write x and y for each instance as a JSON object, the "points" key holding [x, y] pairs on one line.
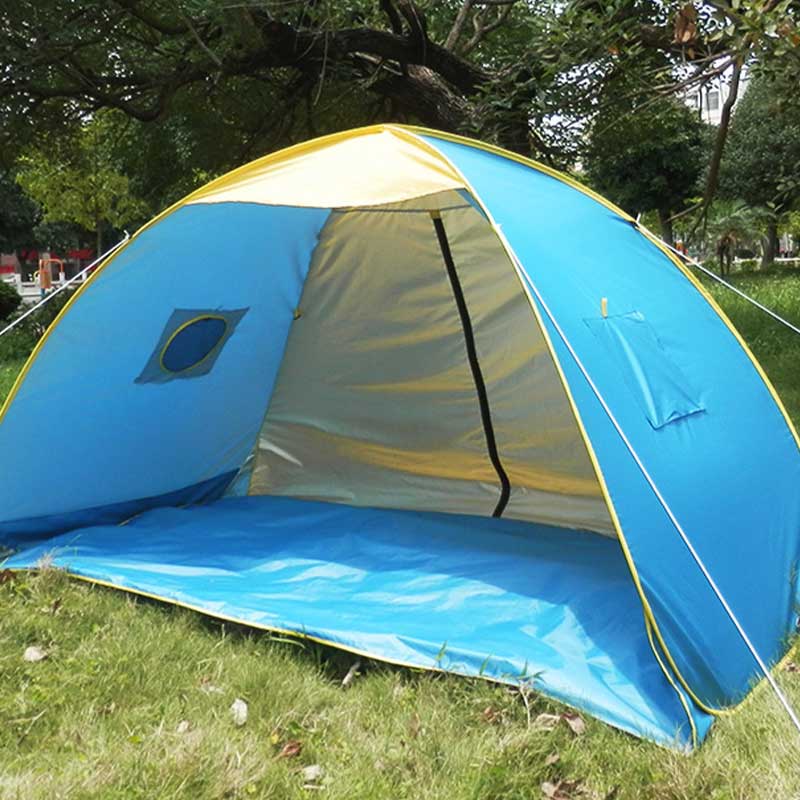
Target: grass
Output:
{"points": [[101, 716], [8, 374]]}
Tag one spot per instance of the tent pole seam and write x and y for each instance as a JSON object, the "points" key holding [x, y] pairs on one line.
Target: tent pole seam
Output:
{"points": [[302, 635], [568, 180], [684, 703], [678, 527], [647, 612], [474, 364], [672, 255]]}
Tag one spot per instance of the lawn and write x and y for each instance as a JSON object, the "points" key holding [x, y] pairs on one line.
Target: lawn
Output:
{"points": [[133, 699]]}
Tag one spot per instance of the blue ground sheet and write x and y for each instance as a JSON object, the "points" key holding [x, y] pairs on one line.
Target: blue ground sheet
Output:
{"points": [[475, 596]]}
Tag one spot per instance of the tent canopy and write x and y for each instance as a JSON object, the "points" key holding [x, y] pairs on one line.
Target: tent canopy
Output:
{"points": [[380, 373]]}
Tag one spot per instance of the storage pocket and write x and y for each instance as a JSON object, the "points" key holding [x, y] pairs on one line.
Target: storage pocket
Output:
{"points": [[661, 388]]}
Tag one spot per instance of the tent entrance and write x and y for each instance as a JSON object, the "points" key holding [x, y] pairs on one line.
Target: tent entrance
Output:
{"points": [[415, 376], [467, 594]]}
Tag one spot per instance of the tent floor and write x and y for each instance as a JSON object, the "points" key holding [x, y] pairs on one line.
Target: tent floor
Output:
{"points": [[476, 596]]}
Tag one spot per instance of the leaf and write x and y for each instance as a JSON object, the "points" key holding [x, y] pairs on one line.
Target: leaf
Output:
{"points": [[562, 790], [547, 721], [791, 666], [291, 749], [351, 674], [239, 712], [6, 576], [312, 773], [575, 722], [208, 687], [492, 716], [183, 726], [685, 24], [34, 654], [552, 759]]}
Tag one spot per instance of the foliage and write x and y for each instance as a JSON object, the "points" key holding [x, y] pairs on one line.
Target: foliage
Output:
{"points": [[18, 214], [763, 149], [9, 300], [736, 222], [78, 179], [18, 343], [649, 159], [256, 76]]}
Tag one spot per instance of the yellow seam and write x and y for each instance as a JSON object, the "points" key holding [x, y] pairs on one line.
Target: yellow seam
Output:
{"points": [[183, 327], [507, 154], [649, 616], [724, 317], [603, 201], [300, 635], [628, 557], [671, 680], [298, 148], [570, 181]]}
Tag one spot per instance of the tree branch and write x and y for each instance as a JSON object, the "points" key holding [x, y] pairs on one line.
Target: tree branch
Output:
{"points": [[458, 24]]}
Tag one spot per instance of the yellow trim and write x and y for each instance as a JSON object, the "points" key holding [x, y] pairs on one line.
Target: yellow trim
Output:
{"points": [[649, 617], [182, 328], [570, 181], [724, 317], [307, 637], [671, 680], [296, 149]]}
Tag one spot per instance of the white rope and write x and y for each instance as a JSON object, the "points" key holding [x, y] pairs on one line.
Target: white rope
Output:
{"points": [[48, 297], [678, 527], [743, 295]]}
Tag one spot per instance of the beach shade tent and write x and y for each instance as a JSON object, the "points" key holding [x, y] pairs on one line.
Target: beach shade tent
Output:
{"points": [[429, 402]]}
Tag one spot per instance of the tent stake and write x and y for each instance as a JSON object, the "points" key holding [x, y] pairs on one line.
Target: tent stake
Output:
{"points": [[784, 701]]}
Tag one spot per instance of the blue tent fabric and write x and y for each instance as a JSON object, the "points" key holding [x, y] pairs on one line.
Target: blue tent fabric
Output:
{"points": [[624, 628], [211, 422], [422, 589], [730, 474]]}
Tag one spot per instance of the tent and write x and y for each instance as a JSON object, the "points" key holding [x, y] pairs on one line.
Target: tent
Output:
{"points": [[428, 401]]}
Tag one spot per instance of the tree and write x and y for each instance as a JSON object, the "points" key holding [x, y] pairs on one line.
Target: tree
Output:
{"points": [[18, 215], [78, 180], [731, 226], [517, 72], [9, 300], [648, 160], [763, 153]]}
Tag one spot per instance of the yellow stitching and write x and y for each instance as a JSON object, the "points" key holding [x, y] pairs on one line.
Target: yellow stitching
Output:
{"points": [[182, 328], [648, 613]]}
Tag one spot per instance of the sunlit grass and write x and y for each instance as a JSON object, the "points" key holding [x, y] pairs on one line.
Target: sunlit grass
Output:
{"points": [[8, 374]]}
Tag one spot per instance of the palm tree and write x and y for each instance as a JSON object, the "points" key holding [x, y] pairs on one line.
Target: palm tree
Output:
{"points": [[732, 224]]}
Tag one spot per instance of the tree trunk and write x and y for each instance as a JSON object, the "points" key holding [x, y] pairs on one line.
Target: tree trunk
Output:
{"points": [[665, 222], [770, 245], [99, 230]]}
